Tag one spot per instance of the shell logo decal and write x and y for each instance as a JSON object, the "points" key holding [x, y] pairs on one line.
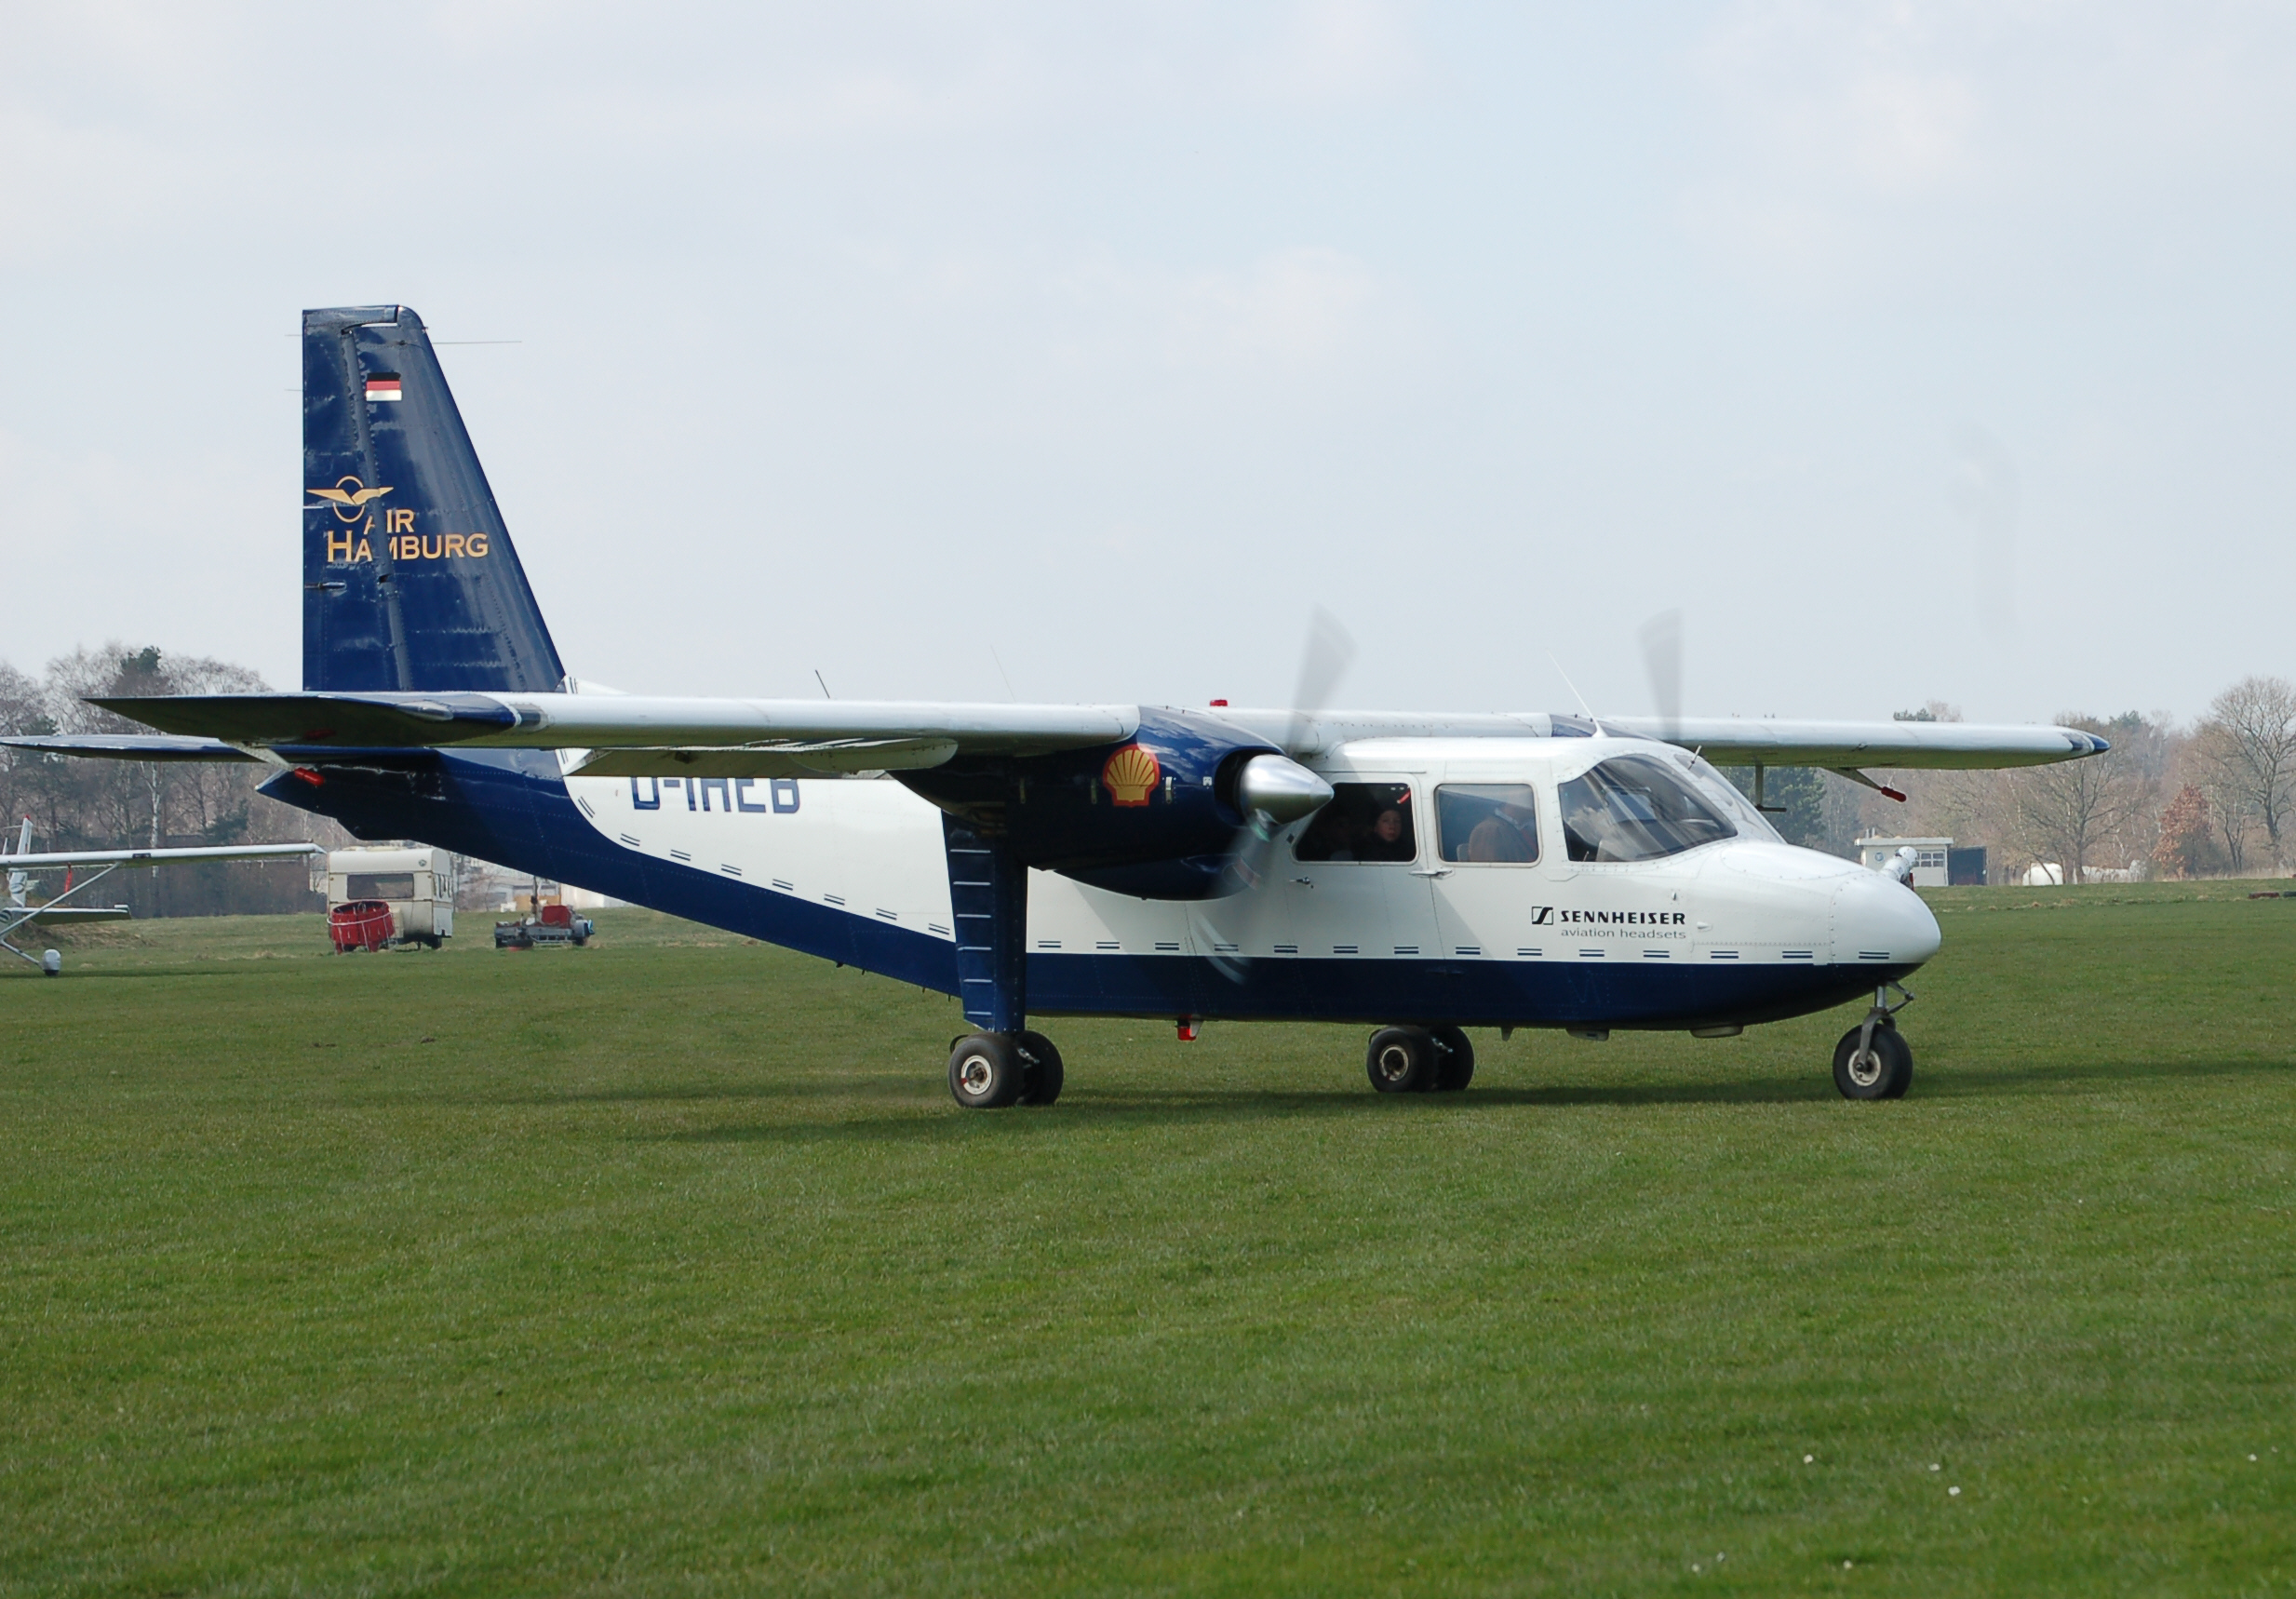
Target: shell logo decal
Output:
{"points": [[1131, 775]]}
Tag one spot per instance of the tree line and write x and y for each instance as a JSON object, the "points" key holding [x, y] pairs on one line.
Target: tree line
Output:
{"points": [[2215, 798], [110, 804]]}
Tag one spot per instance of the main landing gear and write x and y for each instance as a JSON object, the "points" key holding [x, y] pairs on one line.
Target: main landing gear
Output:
{"points": [[1420, 1060], [1873, 1061], [987, 1071]]}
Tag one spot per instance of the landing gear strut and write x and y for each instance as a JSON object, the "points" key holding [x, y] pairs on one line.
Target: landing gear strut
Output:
{"points": [[1420, 1060], [1005, 1063], [1873, 1061]]}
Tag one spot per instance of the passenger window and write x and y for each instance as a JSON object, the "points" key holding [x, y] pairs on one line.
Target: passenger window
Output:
{"points": [[1487, 821], [1631, 808], [1363, 822]]}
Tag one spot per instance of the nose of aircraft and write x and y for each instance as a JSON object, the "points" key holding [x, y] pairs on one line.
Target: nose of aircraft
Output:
{"points": [[1877, 917]]}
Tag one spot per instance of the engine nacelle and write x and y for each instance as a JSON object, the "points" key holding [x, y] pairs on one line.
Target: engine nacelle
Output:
{"points": [[1155, 816]]}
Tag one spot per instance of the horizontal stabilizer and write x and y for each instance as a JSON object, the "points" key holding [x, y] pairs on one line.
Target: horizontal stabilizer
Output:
{"points": [[359, 721], [132, 747], [72, 914]]}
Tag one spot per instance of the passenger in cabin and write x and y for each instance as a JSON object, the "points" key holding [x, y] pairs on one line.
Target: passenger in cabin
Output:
{"points": [[1389, 838], [1505, 835]]}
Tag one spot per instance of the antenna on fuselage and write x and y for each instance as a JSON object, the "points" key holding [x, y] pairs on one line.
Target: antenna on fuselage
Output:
{"points": [[1576, 695]]}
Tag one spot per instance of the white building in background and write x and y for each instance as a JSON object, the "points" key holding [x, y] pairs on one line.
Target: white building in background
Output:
{"points": [[1930, 858]]}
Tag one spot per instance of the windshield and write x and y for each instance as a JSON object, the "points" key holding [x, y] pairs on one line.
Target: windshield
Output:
{"points": [[1631, 808], [1732, 799]]}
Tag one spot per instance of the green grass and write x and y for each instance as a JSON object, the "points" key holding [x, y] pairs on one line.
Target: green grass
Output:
{"points": [[668, 1266]]}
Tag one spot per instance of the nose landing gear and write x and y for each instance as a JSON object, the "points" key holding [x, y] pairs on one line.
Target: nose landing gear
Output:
{"points": [[1420, 1060], [1873, 1061]]}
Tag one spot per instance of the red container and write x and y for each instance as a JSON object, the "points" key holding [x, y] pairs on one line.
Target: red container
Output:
{"points": [[359, 924]]}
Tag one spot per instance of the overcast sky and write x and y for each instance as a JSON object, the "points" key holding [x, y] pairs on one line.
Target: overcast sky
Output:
{"points": [[1910, 350]]}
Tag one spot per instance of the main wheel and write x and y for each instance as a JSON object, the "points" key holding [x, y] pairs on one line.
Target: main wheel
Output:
{"points": [[1882, 1072], [1455, 1066], [1046, 1074], [986, 1071], [1402, 1060]]}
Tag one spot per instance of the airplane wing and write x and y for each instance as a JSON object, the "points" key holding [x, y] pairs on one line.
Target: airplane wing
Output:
{"points": [[59, 858], [1725, 741], [634, 735], [1929, 745]]}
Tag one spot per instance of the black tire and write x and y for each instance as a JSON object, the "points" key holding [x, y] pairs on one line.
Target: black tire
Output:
{"points": [[986, 1071], [1402, 1060], [1886, 1075], [1454, 1063], [1045, 1073]]}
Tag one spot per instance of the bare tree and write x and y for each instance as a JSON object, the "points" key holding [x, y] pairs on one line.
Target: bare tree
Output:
{"points": [[2248, 738], [2066, 812]]}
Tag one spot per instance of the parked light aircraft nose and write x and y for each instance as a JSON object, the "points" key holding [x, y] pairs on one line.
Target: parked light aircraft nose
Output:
{"points": [[1880, 920]]}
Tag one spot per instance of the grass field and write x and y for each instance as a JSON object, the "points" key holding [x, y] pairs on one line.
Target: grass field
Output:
{"points": [[668, 1266]]}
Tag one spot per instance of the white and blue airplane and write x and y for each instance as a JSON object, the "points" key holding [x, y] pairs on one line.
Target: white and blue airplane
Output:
{"points": [[1419, 873]]}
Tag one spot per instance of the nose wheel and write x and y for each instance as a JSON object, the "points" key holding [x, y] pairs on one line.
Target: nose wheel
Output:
{"points": [[1420, 1060], [1873, 1061]]}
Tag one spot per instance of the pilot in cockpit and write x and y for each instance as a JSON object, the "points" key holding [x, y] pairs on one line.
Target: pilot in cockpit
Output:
{"points": [[1592, 830]]}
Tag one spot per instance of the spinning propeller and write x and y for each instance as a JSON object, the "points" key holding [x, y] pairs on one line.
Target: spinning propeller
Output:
{"points": [[1662, 638], [1273, 791]]}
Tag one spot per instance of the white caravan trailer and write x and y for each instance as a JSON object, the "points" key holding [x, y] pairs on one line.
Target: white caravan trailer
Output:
{"points": [[418, 885]]}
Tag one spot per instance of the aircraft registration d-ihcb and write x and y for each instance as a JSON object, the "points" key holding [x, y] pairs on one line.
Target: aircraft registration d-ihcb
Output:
{"points": [[1419, 873]]}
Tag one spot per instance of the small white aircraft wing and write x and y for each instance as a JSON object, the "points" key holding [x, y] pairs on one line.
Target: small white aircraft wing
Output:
{"points": [[56, 859]]}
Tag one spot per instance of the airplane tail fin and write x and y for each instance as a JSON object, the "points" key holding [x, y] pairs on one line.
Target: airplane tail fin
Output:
{"points": [[409, 580]]}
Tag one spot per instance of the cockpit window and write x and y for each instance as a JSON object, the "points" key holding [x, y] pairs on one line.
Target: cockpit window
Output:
{"points": [[1363, 822], [1631, 808], [1488, 822]]}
